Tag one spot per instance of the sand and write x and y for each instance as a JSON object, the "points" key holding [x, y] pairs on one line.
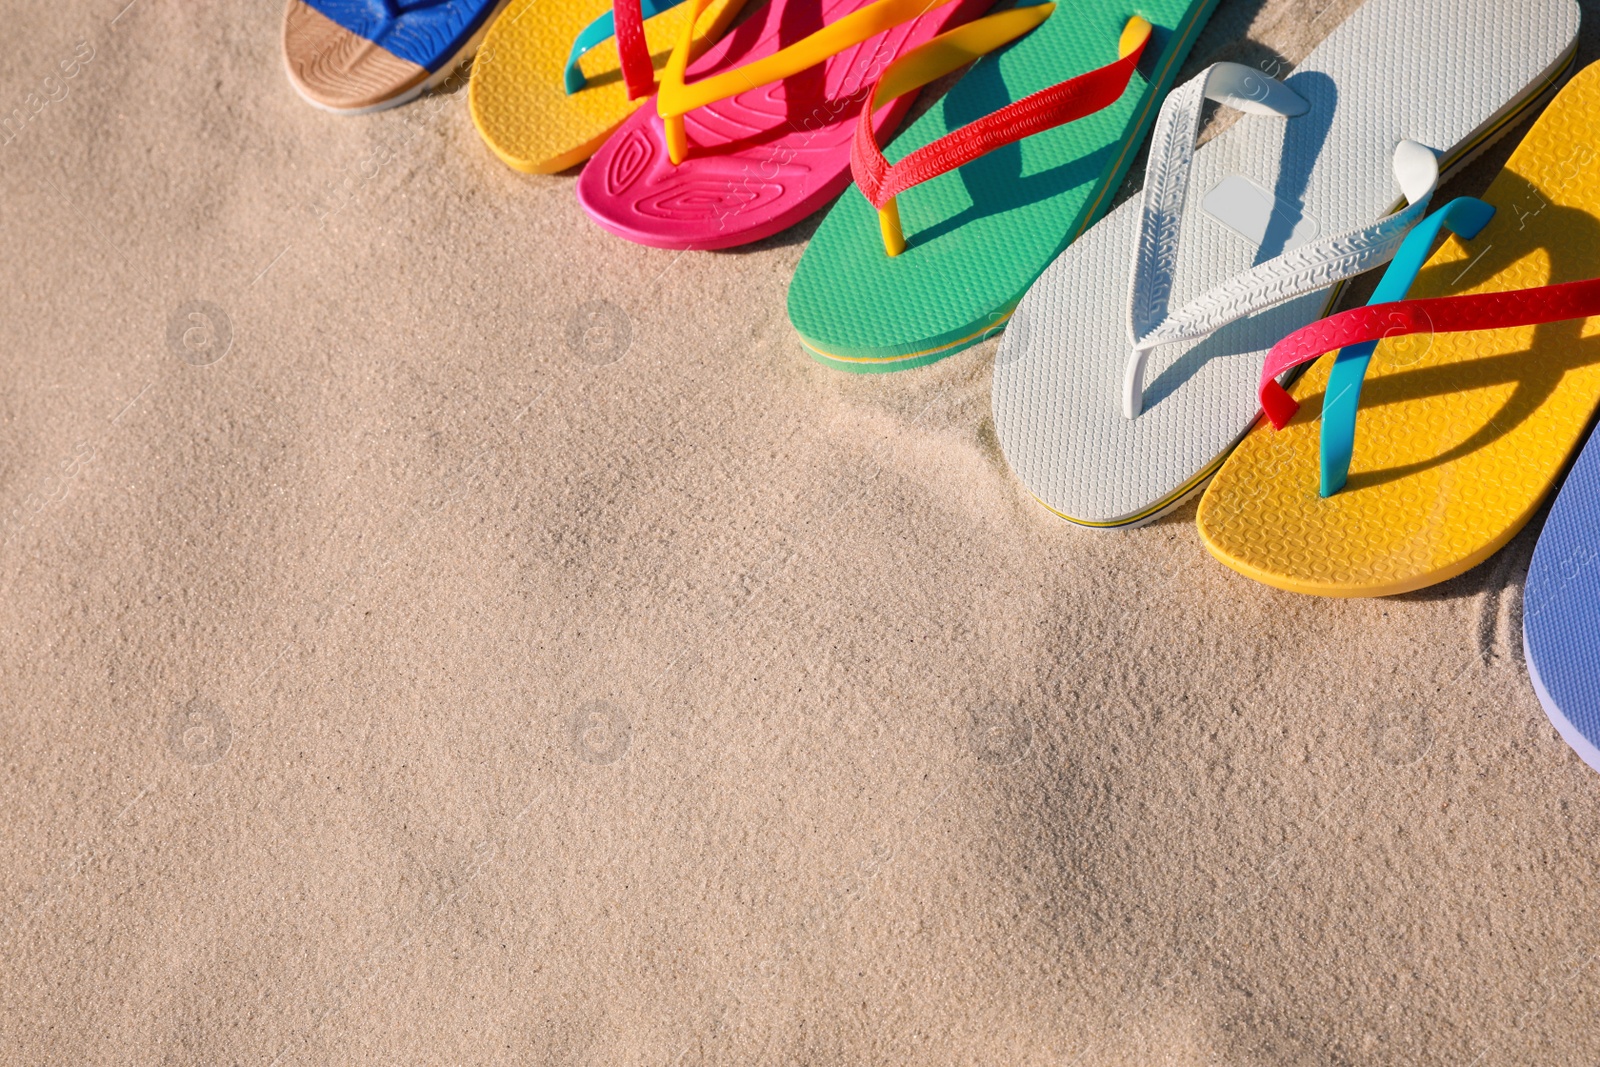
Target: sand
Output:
{"points": [[472, 639]]}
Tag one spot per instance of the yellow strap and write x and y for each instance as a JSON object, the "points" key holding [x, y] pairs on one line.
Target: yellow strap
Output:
{"points": [[956, 48], [712, 32], [674, 99]]}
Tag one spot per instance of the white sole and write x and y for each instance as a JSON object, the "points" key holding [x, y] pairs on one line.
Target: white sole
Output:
{"points": [[1056, 404]]}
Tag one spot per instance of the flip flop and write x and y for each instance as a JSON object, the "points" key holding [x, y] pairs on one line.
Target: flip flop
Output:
{"points": [[1561, 610], [761, 137], [356, 56], [1292, 200], [982, 226], [1475, 402], [542, 110]]}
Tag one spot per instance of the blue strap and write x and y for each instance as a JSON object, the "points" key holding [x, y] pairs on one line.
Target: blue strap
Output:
{"points": [[1465, 216], [600, 30], [428, 33]]}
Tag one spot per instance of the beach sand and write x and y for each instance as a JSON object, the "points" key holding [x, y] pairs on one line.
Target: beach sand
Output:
{"points": [[435, 631]]}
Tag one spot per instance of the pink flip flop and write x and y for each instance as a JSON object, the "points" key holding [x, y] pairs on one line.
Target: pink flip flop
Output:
{"points": [[764, 128]]}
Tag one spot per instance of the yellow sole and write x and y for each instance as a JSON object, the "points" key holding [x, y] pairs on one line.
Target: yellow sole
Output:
{"points": [[518, 96], [1460, 436]]}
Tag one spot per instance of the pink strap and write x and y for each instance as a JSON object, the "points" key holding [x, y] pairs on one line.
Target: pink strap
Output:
{"points": [[1445, 314], [1060, 103]]}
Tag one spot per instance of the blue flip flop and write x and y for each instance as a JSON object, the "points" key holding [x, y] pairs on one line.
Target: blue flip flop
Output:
{"points": [[356, 56], [1561, 609]]}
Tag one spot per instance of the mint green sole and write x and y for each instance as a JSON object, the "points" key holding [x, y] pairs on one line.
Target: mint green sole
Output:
{"points": [[977, 237]]}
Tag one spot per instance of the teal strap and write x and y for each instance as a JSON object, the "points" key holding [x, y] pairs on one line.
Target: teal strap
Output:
{"points": [[1465, 216], [600, 30]]}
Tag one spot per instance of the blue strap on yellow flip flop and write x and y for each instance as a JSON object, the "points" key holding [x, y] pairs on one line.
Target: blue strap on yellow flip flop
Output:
{"points": [[1464, 216], [599, 31]]}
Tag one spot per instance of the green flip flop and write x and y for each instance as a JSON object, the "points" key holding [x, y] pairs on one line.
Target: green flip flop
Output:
{"points": [[977, 236]]}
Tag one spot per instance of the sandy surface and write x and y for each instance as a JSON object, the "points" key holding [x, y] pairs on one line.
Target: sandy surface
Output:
{"points": [[393, 681]]}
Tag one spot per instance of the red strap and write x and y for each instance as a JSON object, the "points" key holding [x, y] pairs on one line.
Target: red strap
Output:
{"points": [[1043, 110], [638, 73], [1445, 314]]}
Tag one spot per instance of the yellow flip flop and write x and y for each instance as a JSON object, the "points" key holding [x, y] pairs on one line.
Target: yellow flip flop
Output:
{"points": [[1463, 430], [543, 110]]}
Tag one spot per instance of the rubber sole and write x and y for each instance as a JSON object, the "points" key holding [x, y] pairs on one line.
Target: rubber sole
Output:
{"points": [[433, 81], [834, 278], [1496, 128]]}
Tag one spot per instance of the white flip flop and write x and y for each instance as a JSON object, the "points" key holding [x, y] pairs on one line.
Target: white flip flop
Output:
{"points": [[1129, 370]]}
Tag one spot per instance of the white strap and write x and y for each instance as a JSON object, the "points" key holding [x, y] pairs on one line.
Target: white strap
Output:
{"points": [[1166, 184], [1301, 270]]}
